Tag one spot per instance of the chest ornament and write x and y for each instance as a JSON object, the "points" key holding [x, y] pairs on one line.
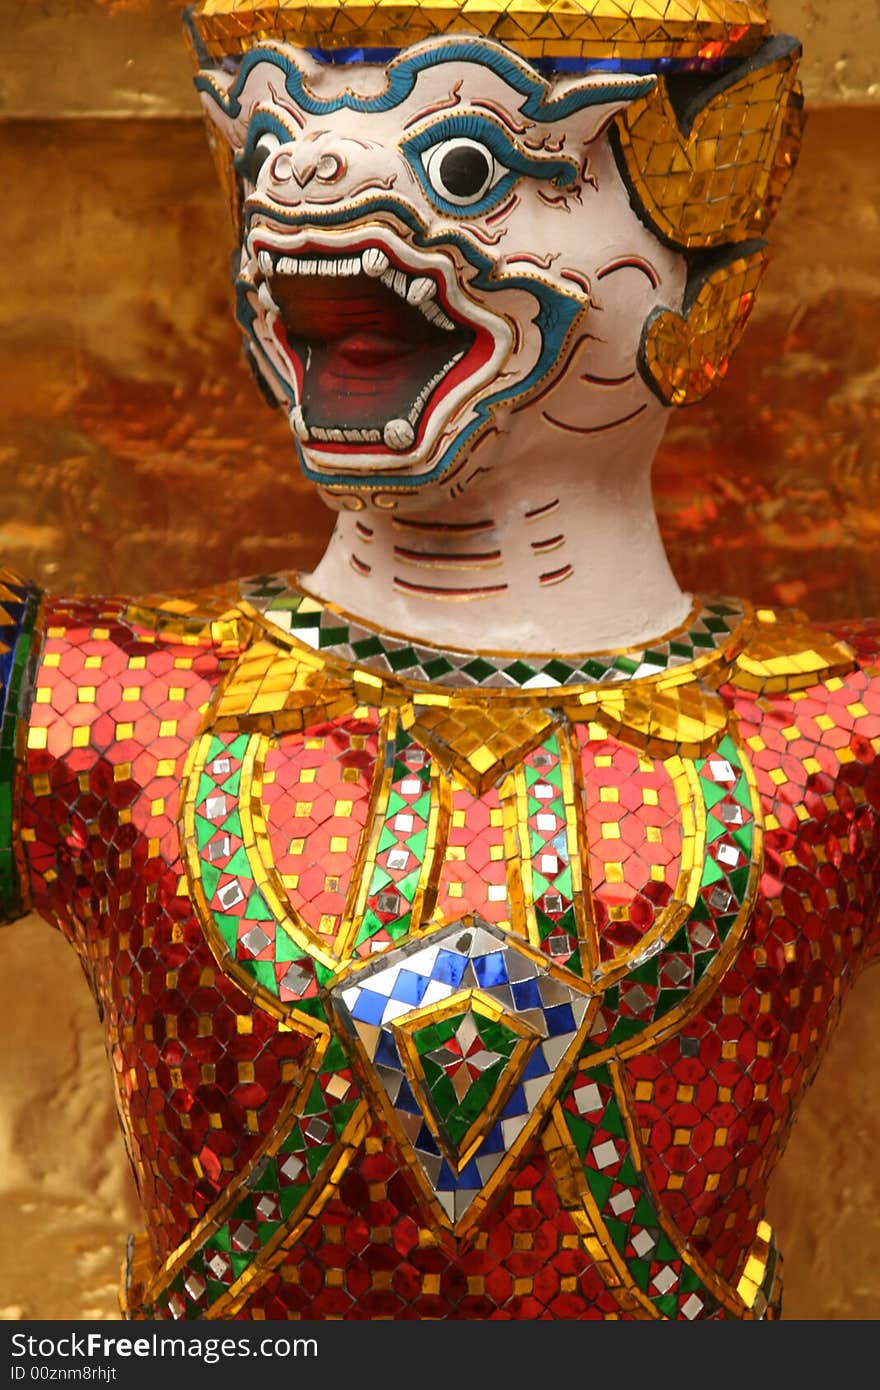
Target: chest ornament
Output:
{"points": [[478, 904]]}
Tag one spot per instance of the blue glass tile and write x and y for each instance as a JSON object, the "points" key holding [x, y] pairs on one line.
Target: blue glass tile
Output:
{"points": [[386, 1052], [426, 1141], [560, 1019], [516, 1105], [369, 1007], [491, 970], [525, 994], [409, 987], [535, 1066], [449, 968]]}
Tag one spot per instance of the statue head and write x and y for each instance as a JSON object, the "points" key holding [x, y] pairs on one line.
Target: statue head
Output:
{"points": [[472, 228]]}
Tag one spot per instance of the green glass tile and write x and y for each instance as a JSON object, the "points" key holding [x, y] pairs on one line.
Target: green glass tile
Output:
{"points": [[227, 926], [289, 1198], [210, 879], [437, 667], [268, 1178], [581, 1135], [600, 1186], [286, 948], [239, 864], [304, 620], [712, 872], [641, 1273], [341, 1114], [418, 843], [263, 972], [618, 1231], [595, 669], [220, 1240], [627, 665], [403, 659], [367, 646], [257, 910], [479, 669], [689, 1282], [316, 1157], [519, 671], [646, 974], [739, 881], [557, 670]]}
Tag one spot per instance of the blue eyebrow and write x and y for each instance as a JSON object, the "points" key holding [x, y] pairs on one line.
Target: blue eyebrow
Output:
{"points": [[517, 164], [538, 104]]}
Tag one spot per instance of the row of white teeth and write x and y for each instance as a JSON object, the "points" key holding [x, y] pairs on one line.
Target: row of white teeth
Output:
{"points": [[399, 434], [418, 290]]}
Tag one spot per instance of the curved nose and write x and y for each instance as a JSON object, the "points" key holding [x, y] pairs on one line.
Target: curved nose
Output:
{"points": [[325, 168]]}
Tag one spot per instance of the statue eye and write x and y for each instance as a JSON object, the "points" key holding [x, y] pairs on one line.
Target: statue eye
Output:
{"points": [[461, 170], [264, 148]]}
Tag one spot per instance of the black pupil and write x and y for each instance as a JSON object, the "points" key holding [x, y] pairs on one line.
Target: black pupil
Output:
{"points": [[464, 171], [258, 158]]}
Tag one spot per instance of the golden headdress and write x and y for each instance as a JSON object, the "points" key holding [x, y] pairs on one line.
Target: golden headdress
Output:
{"points": [[599, 29], [706, 154]]}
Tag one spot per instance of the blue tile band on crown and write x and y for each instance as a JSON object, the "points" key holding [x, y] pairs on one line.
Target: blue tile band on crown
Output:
{"points": [[547, 67]]}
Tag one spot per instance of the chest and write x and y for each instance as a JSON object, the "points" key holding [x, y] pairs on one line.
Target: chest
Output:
{"points": [[311, 855]]}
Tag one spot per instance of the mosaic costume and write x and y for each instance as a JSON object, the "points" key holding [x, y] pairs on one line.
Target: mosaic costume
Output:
{"points": [[448, 987]]}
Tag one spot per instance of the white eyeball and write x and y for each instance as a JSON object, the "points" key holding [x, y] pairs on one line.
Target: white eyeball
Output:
{"points": [[461, 170]]}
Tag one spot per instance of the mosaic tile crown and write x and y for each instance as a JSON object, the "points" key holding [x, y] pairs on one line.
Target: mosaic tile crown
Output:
{"points": [[600, 29]]}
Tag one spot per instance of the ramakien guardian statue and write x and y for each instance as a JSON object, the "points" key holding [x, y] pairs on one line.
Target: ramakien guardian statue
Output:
{"points": [[467, 917]]}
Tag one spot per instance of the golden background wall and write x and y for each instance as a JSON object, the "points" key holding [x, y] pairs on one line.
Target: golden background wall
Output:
{"points": [[135, 452]]}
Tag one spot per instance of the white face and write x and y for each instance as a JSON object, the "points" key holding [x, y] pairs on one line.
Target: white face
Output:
{"points": [[434, 247]]}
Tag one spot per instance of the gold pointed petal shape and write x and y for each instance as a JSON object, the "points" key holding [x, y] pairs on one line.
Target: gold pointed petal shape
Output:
{"points": [[786, 653], [685, 355], [273, 690], [716, 176], [688, 719], [477, 743]]}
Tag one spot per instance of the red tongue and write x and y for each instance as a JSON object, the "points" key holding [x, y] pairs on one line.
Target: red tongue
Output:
{"points": [[368, 348]]}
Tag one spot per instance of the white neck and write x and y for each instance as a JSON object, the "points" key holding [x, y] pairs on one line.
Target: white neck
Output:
{"points": [[557, 550]]}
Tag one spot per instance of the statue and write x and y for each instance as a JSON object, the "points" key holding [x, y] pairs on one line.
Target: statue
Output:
{"points": [[468, 917]]}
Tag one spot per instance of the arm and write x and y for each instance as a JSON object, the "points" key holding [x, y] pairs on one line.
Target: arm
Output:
{"points": [[19, 604]]}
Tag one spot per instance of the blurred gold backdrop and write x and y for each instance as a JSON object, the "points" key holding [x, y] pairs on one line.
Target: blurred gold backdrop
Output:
{"points": [[136, 453]]}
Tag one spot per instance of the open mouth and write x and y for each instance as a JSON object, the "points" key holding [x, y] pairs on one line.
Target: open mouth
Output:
{"points": [[381, 353]]}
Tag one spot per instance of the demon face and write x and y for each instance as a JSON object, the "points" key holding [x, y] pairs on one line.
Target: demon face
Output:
{"points": [[437, 255]]}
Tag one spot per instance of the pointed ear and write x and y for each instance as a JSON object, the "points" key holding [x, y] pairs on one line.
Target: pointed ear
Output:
{"points": [[224, 136], [213, 86], [594, 100]]}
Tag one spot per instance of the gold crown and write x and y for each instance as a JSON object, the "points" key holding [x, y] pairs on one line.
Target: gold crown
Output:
{"points": [[598, 29]]}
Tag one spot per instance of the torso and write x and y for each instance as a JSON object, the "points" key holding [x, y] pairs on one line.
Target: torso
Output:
{"points": [[453, 989]]}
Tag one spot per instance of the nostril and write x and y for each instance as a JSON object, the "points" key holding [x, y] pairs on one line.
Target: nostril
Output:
{"points": [[330, 167], [281, 168]]}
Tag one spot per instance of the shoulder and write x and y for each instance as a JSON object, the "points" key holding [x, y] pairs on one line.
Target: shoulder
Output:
{"points": [[782, 654], [113, 674], [806, 697], [19, 605]]}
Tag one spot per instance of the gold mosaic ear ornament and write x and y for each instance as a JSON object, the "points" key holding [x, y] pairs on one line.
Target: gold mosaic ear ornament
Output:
{"points": [[709, 168], [684, 355]]}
